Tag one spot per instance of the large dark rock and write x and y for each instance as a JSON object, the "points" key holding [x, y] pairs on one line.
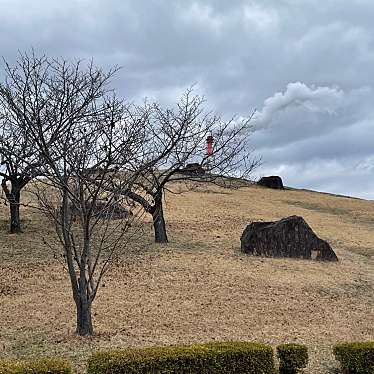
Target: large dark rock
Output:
{"points": [[289, 237], [274, 181]]}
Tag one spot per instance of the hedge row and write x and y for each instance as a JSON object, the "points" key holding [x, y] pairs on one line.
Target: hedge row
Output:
{"points": [[213, 358], [38, 366], [356, 358]]}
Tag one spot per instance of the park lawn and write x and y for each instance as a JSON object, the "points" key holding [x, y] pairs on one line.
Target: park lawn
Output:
{"points": [[199, 287]]}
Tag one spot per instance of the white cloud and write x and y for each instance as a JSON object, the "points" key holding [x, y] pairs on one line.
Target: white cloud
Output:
{"points": [[312, 99]]}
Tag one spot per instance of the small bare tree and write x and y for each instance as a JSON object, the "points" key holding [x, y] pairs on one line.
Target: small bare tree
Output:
{"points": [[15, 172], [184, 130], [92, 223], [18, 157]]}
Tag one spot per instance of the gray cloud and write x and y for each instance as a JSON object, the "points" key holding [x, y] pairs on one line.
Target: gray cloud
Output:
{"points": [[305, 65]]}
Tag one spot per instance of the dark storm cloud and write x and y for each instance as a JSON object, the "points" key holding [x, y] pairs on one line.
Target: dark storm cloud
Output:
{"points": [[305, 65]]}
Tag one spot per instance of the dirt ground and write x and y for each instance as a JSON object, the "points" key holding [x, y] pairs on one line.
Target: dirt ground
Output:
{"points": [[200, 287]]}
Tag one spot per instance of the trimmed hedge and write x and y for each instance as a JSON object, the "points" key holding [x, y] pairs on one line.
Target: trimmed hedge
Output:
{"points": [[357, 358], [37, 366], [292, 358], [212, 358]]}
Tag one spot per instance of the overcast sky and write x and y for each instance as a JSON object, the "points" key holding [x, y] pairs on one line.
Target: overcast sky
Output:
{"points": [[305, 65]]}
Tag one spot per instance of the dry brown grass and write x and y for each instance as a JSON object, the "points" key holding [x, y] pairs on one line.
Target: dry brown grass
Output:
{"points": [[200, 287]]}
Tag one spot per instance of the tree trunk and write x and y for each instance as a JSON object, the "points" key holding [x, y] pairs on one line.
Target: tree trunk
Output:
{"points": [[14, 201], [14, 197], [159, 222], [84, 320], [79, 285]]}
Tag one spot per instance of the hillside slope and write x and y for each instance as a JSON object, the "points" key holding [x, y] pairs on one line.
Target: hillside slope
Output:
{"points": [[200, 287]]}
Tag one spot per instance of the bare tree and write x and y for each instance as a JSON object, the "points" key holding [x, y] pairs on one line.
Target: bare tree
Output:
{"points": [[92, 224], [15, 172], [84, 141], [18, 157], [184, 130]]}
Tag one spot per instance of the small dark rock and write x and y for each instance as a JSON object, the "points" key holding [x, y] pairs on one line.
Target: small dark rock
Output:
{"points": [[274, 181], [193, 169], [103, 210]]}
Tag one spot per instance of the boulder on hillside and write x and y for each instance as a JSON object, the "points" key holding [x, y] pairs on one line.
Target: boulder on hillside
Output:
{"points": [[288, 237], [274, 181], [193, 169], [102, 210]]}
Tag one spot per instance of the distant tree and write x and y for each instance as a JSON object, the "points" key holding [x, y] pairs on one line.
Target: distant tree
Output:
{"points": [[15, 172], [184, 130], [19, 158]]}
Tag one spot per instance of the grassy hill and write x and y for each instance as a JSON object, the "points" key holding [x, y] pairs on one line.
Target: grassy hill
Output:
{"points": [[200, 287]]}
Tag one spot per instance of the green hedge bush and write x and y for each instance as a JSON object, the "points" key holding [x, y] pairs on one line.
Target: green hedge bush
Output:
{"points": [[212, 358], [292, 358], [37, 366], [356, 358]]}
